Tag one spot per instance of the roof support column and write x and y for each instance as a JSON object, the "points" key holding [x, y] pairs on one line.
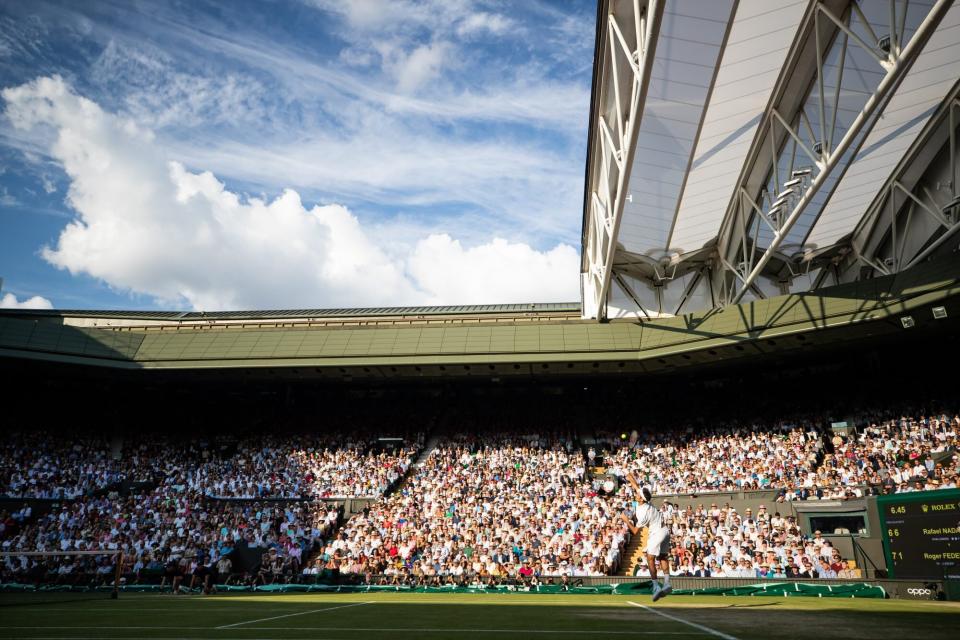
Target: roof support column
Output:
{"points": [[615, 144]]}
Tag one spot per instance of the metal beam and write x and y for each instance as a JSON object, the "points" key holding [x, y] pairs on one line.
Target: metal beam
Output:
{"points": [[883, 216], [936, 244], [896, 66], [617, 148]]}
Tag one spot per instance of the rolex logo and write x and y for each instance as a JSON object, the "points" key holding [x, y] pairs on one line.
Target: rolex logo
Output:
{"points": [[925, 508]]}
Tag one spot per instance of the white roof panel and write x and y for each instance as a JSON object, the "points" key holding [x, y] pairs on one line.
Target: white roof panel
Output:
{"points": [[689, 48], [756, 50], [922, 90]]}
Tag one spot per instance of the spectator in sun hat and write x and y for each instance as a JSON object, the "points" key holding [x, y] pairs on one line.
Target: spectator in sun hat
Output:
{"points": [[792, 571]]}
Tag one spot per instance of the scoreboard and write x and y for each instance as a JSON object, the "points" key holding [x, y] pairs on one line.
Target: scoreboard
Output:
{"points": [[921, 534]]}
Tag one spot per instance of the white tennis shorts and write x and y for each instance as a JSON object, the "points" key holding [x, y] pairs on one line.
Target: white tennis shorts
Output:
{"points": [[659, 544]]}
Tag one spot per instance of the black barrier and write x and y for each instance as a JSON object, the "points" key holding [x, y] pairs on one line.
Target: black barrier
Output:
{"points": [[246, 559]]}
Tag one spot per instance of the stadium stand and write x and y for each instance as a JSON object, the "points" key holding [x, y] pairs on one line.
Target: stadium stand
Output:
{"points": [[721, 543], [802, 462], [500, 506], [483, 505], [39, 466], [178, 509], [721, 459]]}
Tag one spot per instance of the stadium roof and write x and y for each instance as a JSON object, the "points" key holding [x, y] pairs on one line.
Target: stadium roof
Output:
{"points": [[518, 342], [745, 149], [104, 317]]}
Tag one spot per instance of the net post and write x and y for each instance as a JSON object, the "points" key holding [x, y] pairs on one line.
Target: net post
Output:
{"points": [[116, 577]]}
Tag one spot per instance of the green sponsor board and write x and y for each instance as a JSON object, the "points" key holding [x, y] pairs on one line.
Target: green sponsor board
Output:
{"points": [[778, 589]]}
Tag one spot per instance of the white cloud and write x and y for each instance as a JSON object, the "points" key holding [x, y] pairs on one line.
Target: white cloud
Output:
{"points": [[393, 16], [156, 94], [7, 199], [481, 21], [49, 186], [414, 69], [9, 301], [408, 37], [146, 224], [487, 136], [498, 270]]}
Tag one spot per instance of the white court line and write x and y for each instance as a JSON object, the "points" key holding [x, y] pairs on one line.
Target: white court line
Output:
{"points": [[381, 629], [702, 627], [208, 609], [290, 615], [455, 630]]}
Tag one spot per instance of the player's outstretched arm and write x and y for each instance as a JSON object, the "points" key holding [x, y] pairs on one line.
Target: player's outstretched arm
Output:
{"points": [[633, 482]]}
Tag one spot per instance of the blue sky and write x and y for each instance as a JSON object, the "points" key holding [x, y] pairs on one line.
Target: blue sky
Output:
{"points": [[306, 153]]}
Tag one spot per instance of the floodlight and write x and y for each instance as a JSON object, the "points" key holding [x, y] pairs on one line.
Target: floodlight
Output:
{"points": [[800, 172], [785, 194], [939, 313], [950, 205], [793, 183], [907, 322]]}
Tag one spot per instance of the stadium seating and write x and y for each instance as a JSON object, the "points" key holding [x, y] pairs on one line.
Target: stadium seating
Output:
{"points": [[504, 505], [801, 462], [185, 504]]}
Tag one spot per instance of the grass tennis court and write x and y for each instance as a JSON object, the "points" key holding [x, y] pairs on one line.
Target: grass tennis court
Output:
{"points": [[435, 616]]}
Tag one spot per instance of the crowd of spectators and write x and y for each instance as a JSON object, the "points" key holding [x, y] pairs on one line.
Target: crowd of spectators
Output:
{"points": [[316, 467], [181, 508], [719, 542], [481, 510], [720, 459], [35, 465], [165, 533], [263, 466], [896, 455], [800, 462]]}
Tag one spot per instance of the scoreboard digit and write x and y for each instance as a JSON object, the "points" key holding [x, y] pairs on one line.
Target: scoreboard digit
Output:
{"points": [[921, 534]]}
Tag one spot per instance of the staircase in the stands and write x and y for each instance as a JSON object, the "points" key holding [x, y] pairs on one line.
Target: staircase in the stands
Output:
{"points": [[633, 553]]}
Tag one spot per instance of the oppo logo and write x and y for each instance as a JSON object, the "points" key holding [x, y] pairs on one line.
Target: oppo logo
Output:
{"points": [[913, 591]]}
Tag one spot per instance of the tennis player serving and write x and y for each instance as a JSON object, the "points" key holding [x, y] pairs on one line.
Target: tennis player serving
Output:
{"points": [[658, 540]]}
